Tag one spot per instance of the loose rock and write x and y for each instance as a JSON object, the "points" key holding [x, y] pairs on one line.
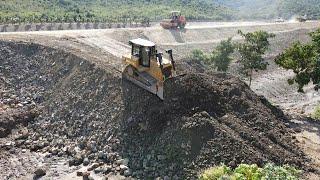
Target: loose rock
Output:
{"points": [[40, 172]]}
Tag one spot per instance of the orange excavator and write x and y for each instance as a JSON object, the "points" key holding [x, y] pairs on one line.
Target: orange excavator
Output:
{"points": [[176, 21]]}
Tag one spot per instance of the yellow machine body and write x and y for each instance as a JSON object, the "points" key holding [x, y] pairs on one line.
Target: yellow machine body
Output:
{"points": [[146, 68]]}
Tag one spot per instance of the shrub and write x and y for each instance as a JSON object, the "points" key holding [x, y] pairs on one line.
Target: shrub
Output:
{"points": [[316, 113], [270, 171], [245, 171], [251, 172], [199, 56], [214, 173], [219, 59]]}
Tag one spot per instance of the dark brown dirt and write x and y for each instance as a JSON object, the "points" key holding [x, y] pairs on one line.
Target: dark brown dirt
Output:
{"points": [[206, 120], [13, 118], [86, 112]]}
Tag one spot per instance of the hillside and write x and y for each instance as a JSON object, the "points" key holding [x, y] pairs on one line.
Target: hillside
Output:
{"points": [[248, 9], [15, 11], [289, 8], [267, 9], [106, 11]]}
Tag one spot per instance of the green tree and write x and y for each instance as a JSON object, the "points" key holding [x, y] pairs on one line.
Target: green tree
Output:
{"points": [[221, 55], [252, 50], [304, 61], [315, 36]]}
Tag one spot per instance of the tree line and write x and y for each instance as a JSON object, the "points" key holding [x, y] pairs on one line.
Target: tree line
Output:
{"points": [[301, 58], [123, 11], [251, 53]]}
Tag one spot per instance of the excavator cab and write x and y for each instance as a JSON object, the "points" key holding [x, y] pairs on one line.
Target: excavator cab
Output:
{"points": [[175, 15], [146, 67]]}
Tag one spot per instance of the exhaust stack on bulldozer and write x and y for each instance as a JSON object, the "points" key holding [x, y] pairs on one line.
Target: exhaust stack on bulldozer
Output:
{"points": [[146, 67]]}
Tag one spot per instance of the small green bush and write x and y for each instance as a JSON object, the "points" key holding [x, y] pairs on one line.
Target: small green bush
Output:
{"points": [[198, 55], [245, 171], [270, 171], [219, 59], [216, 173], [316, 113], [251, 172]]}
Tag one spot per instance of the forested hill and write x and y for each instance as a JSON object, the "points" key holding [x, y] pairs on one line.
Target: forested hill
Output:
{"points": [[301, 7], [266, 9], [17, 11], [108, 10]]}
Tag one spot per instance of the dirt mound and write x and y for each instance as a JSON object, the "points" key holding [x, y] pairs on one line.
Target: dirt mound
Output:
{"points": [[206, 120], [87, 114]]}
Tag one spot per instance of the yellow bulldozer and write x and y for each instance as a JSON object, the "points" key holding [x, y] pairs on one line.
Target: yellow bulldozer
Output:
{"points": [[146, 67]]}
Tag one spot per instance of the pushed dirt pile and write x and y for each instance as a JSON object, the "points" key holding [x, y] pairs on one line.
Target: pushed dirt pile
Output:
{"points": [[206, 120], [88, 114]]}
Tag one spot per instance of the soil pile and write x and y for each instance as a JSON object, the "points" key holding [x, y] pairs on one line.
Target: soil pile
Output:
{"points": [[90, 115], [205, 120]]}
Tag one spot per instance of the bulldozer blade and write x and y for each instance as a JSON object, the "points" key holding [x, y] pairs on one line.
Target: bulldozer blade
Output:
{"points": [[144, 81]]}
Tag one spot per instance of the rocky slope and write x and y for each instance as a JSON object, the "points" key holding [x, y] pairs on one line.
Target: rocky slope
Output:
{"points": [[205, 120], [89, 115]]}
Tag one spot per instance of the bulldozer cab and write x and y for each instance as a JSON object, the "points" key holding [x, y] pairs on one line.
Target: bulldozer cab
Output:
{"points": [[143, 50]]}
